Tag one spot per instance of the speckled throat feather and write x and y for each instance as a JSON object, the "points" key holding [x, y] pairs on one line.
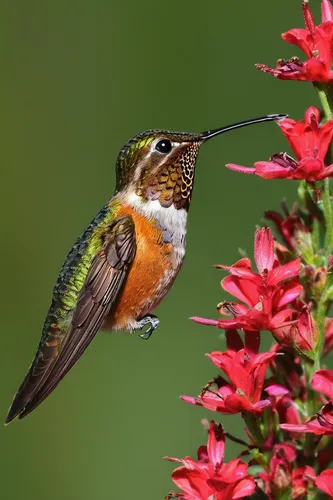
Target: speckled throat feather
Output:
{"points": [[172, 182]]}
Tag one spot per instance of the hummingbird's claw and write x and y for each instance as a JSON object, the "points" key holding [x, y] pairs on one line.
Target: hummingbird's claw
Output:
{"points": [[149, 319]]}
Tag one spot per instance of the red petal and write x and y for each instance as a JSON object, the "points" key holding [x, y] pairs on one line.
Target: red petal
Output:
{"points": [[205, 321], [264, 249], [322, 381], [314, 427], [242, 269], [193, 483], [326, 11], [244, 488], [215, 445], [325, 482], [271, 170], [285, 272], [289, 292], [298, 428], [301, 38], [307, 334], [328, 335], [317, 71], [230, 363], [325, 138], [240, 168], [243, 290], [237, 403], [261, 405], [276, 390], [312, 114]]}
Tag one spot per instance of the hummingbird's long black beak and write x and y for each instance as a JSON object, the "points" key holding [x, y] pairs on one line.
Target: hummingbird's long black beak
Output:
{"points": [[213, 133]]}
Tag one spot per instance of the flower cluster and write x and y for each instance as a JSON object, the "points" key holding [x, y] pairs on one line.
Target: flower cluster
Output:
{"points": [[284, 395], [268, 297], [209, 476]]}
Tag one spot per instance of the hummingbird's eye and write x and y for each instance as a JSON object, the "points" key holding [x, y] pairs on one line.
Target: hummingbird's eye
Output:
{"points": [[163, 146]]}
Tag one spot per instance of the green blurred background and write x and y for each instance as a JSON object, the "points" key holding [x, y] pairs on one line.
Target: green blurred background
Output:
{"points": [[78, 79]]}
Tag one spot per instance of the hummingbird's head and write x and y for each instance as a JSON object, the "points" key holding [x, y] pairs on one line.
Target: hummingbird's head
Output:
{"points": [[160, 165]]}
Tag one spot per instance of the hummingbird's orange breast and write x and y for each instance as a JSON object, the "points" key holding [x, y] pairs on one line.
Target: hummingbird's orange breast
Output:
{"points": [[150, 277]]}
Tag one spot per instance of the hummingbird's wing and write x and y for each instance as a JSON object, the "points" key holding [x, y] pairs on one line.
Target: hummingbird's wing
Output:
{"points": [[99, 292]]}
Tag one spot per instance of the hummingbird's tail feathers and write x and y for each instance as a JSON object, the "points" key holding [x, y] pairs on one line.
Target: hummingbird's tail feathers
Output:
{"points": [[60, 351], [46, 356]]}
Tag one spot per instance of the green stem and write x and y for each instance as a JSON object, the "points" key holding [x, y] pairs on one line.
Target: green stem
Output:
{"points": [[254, 429], [325, 100], [327, 207]]}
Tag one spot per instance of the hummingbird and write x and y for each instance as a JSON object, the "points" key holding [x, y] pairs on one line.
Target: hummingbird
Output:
{"points": [[125, 262]]}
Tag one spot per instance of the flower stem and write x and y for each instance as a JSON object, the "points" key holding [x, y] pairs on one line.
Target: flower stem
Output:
{"points": [[253, 427], [327, 208], [325, 100]]}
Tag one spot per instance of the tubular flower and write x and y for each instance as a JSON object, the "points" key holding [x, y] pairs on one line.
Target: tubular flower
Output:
{"points": [[315, 42], [290, 226], [301, 479], [310, 142], [246, 373], [282, 478], [265, 295], [279, 477], [328, 336], [322, 423], [325, 482], [209, 477]]}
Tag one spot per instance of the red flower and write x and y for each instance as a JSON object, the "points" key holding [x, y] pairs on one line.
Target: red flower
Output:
{"points": [[315, 42], [322, 423], [282, 478], [209, 477], [278, 479], [265, 295], [328, 336], [306, 334], [310, 142], [301, 478], [289, 226], [246, 373], [287, 410], [325, 482]]}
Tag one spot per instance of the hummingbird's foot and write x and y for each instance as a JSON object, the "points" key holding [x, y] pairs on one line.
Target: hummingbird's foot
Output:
{"points": [[149, 319]]}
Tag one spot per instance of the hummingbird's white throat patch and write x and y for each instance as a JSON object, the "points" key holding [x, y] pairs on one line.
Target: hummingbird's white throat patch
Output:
{"points": [[169, 219]]}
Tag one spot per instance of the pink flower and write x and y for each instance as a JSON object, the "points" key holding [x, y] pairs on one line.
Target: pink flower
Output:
{"points": [[301, 479], [289, 226], [282, 478], [315, 42], [246, 373], [265, 295], [209, 477], [278, 479], [306, 334], [322, 423], [325, 482], [310, 142], [328, 336]]}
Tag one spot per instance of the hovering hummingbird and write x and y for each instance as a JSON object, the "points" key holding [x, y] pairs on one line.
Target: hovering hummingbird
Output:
{"points": [[126, 260]]}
